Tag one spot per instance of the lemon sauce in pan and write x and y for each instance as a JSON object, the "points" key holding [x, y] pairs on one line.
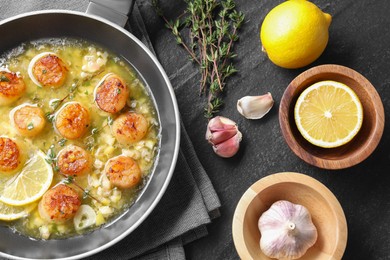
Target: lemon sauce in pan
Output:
{"points": [[100, 188]]}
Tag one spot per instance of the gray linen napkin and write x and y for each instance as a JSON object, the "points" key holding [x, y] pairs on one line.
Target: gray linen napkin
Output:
{"points": [[190, 201]]}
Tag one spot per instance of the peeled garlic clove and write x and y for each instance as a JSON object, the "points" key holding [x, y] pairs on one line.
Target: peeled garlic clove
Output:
{"points": [[223, 134], [229, 147], [255, 107], [287, 231]]}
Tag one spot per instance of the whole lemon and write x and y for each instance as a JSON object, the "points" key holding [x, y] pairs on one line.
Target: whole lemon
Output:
{"points": [[295, 33]]}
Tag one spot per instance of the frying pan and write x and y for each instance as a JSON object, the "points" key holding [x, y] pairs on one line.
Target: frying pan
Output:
{"points": [[94, 28]]}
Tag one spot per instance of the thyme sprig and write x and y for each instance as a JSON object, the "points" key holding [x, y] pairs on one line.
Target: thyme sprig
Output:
{"points": [[90, 141], [70, 95], [212, 27]]}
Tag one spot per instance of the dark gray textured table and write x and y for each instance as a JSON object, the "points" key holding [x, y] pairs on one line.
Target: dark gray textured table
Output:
{"points": [[359, 39]]}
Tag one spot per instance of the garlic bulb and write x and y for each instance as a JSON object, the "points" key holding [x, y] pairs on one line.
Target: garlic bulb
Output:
{"points": [[223, 134], [255, 107], [287, 231]]}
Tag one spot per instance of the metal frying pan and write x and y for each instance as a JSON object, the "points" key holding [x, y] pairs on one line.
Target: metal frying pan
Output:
{"points": [[50, 24]]}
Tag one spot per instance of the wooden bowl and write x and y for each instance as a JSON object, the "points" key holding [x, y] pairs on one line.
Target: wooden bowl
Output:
{"points": [[326, 212], [358, 148]]}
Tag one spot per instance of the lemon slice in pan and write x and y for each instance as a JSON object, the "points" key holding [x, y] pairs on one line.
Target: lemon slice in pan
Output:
{"points": [[30, 183]]}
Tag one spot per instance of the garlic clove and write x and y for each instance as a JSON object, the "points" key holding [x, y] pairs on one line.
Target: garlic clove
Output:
{"points": [[255, 107], [223, 134], [219, 129], [220, 123], [229, 147], [287, 231]]}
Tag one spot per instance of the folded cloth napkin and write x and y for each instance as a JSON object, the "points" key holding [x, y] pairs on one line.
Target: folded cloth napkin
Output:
{"points": [[190, 201]]}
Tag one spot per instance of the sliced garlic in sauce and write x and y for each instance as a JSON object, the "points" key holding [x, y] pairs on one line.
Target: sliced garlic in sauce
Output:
{"points": [[85, 217]]}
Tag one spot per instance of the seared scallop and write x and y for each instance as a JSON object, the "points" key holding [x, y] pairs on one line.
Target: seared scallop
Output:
{"points": [[59, 204], [74, 161], [47, 70], [72, 120], [28, 119], [12, 87], [10, 157], [123, 172], [129, 128], [111, 93]]}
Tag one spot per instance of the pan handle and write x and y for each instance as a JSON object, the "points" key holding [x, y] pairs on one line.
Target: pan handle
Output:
{"points": [[114, 10]]}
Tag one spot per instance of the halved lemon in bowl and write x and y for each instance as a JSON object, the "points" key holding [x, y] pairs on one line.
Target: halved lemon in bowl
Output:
{"points": [[328, 114], [29, 184]]}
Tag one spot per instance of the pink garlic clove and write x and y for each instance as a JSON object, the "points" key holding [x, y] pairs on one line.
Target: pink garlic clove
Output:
{"points": [[255, 107], [223, 134], [219, 129], [230, 147], [220, 123]]}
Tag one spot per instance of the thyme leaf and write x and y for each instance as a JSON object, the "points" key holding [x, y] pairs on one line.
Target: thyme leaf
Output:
{"points": [[4, 78], [62, 142], [68, 180], [30, 126]]}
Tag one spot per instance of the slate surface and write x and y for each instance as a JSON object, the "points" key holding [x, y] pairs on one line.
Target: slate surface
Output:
{"points": [[359, 39]]}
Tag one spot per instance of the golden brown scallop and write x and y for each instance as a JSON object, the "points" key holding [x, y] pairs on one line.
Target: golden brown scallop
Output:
{"points": [[10, 157], [59, 204], [72, 120], [47, 70], [12, 87], [28, 120], [123, 172], [130, 128], [111, 93], [74, 161]]}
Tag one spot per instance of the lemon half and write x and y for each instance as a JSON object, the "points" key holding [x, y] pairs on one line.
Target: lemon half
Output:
{"points": [[328, 114]]}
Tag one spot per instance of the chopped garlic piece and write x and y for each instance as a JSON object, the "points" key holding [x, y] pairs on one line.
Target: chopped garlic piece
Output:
{"points": [[94, 60], [98, 164], [106, 184], [150, 144], [106, 211], [44, 231], [93, 180]]}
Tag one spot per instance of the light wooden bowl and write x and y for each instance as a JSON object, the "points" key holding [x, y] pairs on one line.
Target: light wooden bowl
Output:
{"points": [[355, 151], [326, 212]]}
